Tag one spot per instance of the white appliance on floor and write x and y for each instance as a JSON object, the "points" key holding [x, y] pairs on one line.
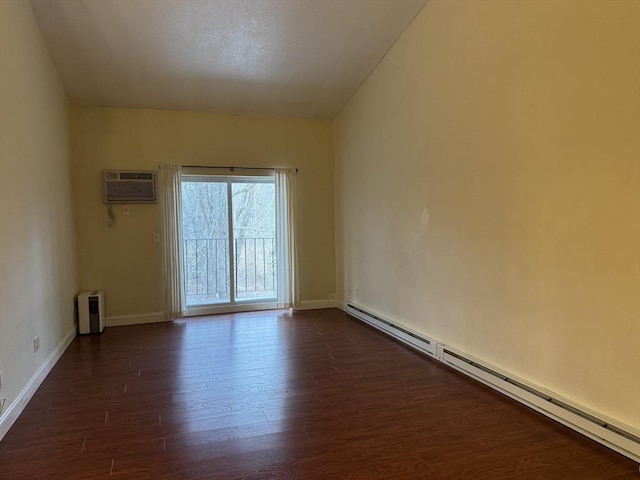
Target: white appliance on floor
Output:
{"points": [[91, 312]]}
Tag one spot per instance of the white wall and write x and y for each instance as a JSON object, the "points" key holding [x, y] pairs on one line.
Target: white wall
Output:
{"points": [[122, 259], [488, 191], [37, 239]]}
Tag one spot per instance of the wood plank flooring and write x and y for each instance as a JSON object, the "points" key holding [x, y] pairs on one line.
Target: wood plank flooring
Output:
{"points": [[274, 395]]}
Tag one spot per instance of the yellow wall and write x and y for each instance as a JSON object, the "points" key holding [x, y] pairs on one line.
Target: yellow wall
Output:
{"points": [[37, 241], [122, 259], [488, 191]]}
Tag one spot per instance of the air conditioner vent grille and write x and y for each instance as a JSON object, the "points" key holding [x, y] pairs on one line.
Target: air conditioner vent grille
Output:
{"points": [[129, 186]]}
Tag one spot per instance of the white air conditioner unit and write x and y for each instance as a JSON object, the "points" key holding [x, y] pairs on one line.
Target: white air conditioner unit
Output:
{"points": [[91, 312], [124, 186]]}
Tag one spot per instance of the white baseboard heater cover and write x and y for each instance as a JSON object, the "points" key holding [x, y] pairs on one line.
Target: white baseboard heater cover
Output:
{"points": [[619, 439], [418, 342]]}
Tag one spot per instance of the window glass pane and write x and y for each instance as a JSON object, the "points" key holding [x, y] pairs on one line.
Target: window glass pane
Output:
{"points": [[254, 220], [205, 227]]}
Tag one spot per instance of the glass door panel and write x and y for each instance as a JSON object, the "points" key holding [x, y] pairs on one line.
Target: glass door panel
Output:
{"points": [[205, 231], [254, 220], [223, 269]]}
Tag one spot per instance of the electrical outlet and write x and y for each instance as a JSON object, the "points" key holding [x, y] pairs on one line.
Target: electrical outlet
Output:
{"points": [[125, 210], [332, 296], [156, 238], [36, 344]]}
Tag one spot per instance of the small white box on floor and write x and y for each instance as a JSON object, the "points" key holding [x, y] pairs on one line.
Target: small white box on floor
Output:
{"points": [[91, 312]]}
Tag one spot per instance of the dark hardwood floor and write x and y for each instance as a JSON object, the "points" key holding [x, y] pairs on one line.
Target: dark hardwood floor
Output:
{"points": [[273, 395]]}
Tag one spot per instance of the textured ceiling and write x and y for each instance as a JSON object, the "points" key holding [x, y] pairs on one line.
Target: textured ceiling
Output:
{"points": [[265, 57]]}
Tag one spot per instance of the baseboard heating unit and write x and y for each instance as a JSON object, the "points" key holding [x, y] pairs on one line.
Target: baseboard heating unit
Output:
{"points": [[622, 440]]}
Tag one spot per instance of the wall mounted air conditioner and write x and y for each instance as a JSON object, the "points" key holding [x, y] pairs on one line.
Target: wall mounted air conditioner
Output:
{"points": [[124, 186], [91, 312]]}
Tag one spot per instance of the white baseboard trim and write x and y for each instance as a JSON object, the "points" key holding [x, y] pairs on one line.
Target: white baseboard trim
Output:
{"points": [[316, 304], [624, 439], [341, 305], [155, 317], [14, 410], [135, 319]]}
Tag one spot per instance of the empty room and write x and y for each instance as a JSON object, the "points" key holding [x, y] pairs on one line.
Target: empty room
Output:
{"points": [[332, 239]]}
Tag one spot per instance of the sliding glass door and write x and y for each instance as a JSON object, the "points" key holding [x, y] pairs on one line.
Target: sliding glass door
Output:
{"points": [[228, 241]]}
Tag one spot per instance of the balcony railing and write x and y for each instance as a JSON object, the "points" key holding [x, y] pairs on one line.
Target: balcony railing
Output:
{"points": [[207, 270]]}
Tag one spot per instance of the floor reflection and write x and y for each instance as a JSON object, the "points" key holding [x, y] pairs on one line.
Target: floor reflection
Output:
{"points": [[233, 370]]}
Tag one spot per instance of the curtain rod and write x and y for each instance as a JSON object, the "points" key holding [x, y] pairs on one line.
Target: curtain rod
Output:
{"points": [[231, 168]]}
